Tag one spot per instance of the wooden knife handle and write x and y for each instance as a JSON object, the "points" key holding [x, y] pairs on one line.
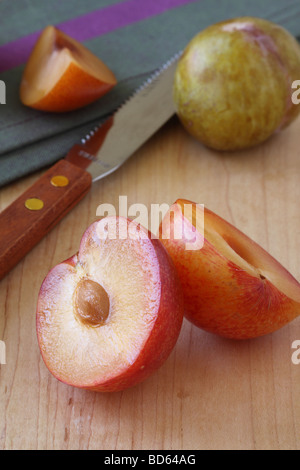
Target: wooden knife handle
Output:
{"points": [[25, 222]]}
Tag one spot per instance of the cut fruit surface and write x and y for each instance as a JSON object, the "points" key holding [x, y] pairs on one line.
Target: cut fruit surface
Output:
{"points": [[232, 286], [110, 316], [62, 74]]}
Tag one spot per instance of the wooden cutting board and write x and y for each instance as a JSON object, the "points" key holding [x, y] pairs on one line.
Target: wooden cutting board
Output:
{"points": [[211, 393]]}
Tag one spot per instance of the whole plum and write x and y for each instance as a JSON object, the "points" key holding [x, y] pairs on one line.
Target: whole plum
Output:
{"points": [[233, 83]]}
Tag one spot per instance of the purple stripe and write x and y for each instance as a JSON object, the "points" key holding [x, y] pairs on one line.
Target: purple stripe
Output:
{"points": [[89, 26]]}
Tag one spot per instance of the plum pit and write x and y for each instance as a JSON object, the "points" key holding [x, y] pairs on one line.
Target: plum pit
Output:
{"points": [[91, 303]]}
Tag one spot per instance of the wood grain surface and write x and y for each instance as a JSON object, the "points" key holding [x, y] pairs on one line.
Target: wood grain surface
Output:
{"points": [[23, 228], [211, 393]]}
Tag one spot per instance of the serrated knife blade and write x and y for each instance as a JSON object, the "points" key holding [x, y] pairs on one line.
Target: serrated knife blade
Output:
{"points": [[150, 106], [30, 217]]}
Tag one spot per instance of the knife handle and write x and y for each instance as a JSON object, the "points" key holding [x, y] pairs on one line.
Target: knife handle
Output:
{"points": [[25, 222]]}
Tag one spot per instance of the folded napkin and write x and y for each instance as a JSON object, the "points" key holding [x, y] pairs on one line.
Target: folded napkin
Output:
{"points": [[133, 37]]}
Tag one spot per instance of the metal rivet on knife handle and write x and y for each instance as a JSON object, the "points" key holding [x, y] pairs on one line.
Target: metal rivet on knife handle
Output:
{"points": [[34, 204], [59, 181]]}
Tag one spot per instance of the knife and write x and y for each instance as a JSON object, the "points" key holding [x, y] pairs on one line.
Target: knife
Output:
{"points": [[33, 214]]}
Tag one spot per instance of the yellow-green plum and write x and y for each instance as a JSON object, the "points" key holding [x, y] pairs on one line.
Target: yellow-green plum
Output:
{"points": [[233, 83]]}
